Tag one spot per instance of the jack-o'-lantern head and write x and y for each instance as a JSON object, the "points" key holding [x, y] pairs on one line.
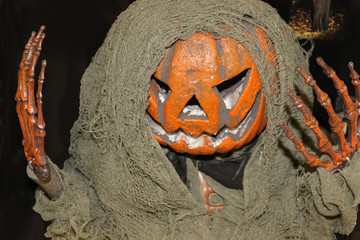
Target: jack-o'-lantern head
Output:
{"points": [[206, 96]]}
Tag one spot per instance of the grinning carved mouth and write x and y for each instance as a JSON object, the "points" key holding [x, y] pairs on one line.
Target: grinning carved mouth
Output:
{"points": [[215, 140]]}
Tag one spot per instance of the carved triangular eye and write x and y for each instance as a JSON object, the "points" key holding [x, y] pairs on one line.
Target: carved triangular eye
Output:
{"points": [[162, 86], [193, 110], [231, 90]]}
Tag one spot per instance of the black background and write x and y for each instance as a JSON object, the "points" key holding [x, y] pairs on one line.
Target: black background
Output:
{"points": [[75, 30]]}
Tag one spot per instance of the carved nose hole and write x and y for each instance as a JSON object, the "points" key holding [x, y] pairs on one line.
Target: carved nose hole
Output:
{"points": [[231, 90], [193, 110]]}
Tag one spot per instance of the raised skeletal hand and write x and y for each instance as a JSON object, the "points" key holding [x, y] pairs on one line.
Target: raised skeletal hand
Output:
{"points": [[348, 143], [29, 109]]}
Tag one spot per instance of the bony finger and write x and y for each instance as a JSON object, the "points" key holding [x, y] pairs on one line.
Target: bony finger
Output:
{"points": [[34, 45], [31, 39], [40, 33], [356, 82], [311, 159], [27, 48], [30, 53], [353, 74], [41, 80], [298, 103], [339, 85], [307, 77], [328, 71], [39, 45]]}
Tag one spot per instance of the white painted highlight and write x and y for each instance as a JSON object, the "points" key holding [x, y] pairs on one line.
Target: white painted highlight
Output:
{"points": [[194, 110], [232, 98]]}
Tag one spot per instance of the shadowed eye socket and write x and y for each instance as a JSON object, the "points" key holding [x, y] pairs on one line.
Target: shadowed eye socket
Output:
{"points": [[231, 90], [162, 86], [228, 85]]}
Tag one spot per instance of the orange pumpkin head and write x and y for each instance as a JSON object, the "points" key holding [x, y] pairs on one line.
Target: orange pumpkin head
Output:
{"points": [[206, 96]]}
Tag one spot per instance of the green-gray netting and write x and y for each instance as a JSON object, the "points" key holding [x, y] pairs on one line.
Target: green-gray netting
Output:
{"points": [[118, 182]]}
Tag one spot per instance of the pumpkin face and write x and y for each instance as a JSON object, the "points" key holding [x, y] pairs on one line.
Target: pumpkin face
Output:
{"points": [[206, 96]]}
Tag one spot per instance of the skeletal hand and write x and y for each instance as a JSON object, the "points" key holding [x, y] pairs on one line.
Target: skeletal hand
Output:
{"points": [[30, 112], [347, 144]]}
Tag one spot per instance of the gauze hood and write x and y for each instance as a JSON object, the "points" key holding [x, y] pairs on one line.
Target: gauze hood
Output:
{"points": [[111, 141]]}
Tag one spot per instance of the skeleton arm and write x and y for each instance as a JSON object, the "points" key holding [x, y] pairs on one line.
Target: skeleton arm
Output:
{"points": [[31, 117], [347, 144]]}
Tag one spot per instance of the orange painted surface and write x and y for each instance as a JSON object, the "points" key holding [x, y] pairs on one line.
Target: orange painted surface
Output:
{"points": [[195, 68]]}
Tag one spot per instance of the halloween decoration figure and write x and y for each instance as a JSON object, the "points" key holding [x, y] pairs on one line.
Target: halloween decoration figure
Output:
{"points": [[209, 81]]}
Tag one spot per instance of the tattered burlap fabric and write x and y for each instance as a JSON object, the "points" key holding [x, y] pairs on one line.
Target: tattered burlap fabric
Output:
{"points": [[118, 184]]}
